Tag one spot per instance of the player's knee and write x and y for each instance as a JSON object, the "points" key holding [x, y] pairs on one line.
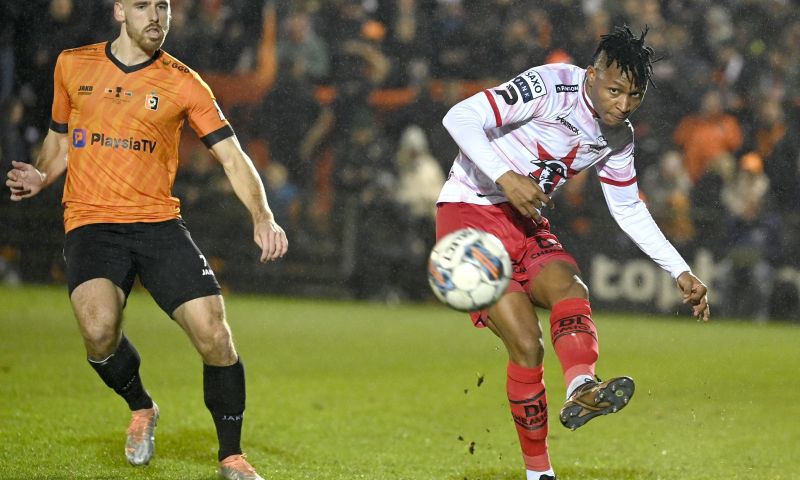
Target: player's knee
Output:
{"points": [[215, 345], [577, 289], [526, 351], [568, 285], [100, 342]]}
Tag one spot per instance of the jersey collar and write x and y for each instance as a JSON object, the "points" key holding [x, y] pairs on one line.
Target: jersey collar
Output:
{"points": [[130, 68], [585, 97]]}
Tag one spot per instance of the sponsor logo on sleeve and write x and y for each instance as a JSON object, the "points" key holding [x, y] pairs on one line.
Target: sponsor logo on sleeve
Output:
{"points": [[510, 96], [530, 85], [561, 88]]}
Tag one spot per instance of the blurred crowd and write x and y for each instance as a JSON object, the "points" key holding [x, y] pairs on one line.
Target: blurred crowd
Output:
{"points": [[347, 131]]}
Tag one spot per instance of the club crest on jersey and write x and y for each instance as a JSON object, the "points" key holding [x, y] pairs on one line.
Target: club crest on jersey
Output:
{"points": [[151, 101], [551, 172]]}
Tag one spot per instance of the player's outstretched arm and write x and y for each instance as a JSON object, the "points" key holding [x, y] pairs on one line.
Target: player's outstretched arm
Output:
{"points": [[25, 180], [267, 234], [695, 293]]}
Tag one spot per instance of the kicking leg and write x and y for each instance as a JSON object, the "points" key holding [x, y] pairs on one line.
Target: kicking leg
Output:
{"points": [[574, 336]]}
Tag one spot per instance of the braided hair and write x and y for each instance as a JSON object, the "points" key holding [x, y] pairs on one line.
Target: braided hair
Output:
{"points": [[631, 54]]}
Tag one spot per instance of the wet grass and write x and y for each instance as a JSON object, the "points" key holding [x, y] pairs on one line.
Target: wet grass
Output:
{"points": [[343, 390]]}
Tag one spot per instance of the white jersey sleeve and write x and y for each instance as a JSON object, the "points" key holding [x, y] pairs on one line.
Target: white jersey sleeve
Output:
{"points": [[467, 122], [621, 191], [514, 101]]}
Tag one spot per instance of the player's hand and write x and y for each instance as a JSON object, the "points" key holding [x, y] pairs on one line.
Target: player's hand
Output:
{"points": [[695, 293], [24, 180], [524, 194], [271, 238]]}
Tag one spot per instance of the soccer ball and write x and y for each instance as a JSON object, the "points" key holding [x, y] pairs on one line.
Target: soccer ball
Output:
{"points": [[469, 269]]}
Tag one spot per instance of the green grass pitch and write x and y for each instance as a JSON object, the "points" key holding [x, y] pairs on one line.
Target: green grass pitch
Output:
{"points": [[344, 390]]}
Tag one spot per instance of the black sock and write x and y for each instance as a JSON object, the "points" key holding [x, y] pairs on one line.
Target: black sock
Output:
{"points": [[120, 371], [224, 392]]}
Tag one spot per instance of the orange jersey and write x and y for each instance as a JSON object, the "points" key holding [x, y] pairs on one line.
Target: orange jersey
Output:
{"points": [[124, 125]]}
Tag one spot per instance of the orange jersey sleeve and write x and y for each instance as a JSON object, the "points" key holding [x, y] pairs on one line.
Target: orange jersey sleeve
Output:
{"points": [[205, 116], [61, 105], [124, 125]]}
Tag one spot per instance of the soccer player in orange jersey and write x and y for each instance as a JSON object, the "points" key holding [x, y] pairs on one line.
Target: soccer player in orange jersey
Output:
{"points": [[118, 111]]}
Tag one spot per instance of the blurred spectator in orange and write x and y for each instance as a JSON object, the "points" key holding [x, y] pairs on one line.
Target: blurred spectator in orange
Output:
{"points": [[707, 134], [667, 190], [744, 197]]}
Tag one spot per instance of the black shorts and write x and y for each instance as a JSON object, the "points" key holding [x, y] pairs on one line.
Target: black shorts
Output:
{"points": [[163, 254]]}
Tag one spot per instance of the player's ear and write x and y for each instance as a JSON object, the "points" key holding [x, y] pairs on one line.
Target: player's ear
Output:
{"points": [[591, 74], [119, 11]]}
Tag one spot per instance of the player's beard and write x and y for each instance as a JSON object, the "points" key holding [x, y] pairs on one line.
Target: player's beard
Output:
{"points": [[143, 39]]}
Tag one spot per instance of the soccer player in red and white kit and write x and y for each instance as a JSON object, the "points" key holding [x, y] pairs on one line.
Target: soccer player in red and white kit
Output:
{"points": [[118, 111], [518, 143]]}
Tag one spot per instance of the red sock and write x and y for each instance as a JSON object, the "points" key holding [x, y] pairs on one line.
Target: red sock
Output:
{"points": [[528, 402], [574, 337]]}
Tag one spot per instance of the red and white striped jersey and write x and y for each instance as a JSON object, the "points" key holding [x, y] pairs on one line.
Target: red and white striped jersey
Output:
{"points": [[542, 124]]}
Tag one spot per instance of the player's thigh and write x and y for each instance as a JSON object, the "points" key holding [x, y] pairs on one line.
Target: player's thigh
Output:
{"points": [[498, 220], [552, 273], [99, 251], [100, 275], [171, 266], [513, 319], [98, 304], [202, 318]]}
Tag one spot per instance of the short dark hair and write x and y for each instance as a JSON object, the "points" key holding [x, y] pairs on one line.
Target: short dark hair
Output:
{"points": [[630, 53]]}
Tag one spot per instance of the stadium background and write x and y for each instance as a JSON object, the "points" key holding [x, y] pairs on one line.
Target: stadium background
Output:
{"points": [[339, 103]]}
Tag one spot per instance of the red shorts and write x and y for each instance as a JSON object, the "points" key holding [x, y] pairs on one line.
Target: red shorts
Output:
{"points": [[531, 246]]}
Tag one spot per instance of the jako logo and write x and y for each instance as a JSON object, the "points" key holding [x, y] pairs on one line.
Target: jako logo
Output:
{"points": [[79, 138]]}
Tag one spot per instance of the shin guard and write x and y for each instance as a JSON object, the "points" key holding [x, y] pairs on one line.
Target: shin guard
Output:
{"points": [[526, 396], [574, 337], [120, 371], [224, 394]]}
